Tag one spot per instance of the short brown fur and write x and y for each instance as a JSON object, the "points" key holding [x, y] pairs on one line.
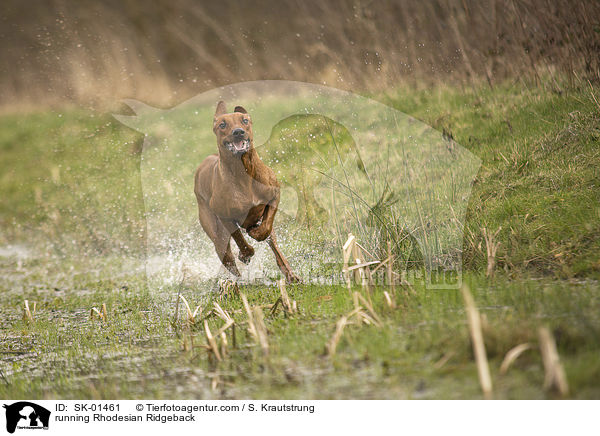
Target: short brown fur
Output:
{"points": [[235, 190]]}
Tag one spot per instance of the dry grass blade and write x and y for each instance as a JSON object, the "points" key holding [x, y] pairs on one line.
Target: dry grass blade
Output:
{"points": [[408, 288], [251, 326], [261, 329], [555, 374], [362, 265], [355, 255], [359, 273], [288, 306], [390, 302], [233, 336], [369, 307], [367, 319], [285, 299], [275, 306], [351, 251], [223, 342], [95, 313], [187, 306], [381, 264], [389, 272], [347, 251], [512, 355], [191, 315], [594, 95], [101, 314], [491, 248], [359, 313], [195, 314], [186, 344], [474, 319], [27, 315], [211, 341], [221, 331], [364, 250], [369, 284], [224, 315], [443, 360], [335, 339], [353, 313], [214, 384], [347, 248], [221, 313]]}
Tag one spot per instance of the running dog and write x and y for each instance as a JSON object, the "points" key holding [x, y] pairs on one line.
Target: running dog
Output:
{"points": [[235, 190]]}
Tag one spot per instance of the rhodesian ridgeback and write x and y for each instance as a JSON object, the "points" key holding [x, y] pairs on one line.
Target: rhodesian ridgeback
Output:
{"points": [[236, 190]]}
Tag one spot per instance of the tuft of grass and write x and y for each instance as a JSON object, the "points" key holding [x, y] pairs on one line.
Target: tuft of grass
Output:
{"points": [[483, 369]]}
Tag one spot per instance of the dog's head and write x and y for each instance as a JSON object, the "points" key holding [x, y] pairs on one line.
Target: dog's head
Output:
{"points": [[233, 130]]}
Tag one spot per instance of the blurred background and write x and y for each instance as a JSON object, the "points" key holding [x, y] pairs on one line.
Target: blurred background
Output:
{"points": [[94, 53]]}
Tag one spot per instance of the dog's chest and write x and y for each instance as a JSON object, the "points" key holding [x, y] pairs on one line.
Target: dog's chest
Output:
{"points": [[236, 203]]}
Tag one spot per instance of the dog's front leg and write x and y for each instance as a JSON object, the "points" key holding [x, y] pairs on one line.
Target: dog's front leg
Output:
{"points": [[223, 248], [262, 231], [246, 250]]}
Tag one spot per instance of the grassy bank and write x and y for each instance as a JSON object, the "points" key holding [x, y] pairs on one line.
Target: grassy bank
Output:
{"points": [[73, 229]]}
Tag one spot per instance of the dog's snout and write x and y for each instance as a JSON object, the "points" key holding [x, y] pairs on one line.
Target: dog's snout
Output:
{"points": [[239, 132]]}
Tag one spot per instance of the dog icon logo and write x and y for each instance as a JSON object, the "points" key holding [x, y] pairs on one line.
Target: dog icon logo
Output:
{"points": [[26, 415]]}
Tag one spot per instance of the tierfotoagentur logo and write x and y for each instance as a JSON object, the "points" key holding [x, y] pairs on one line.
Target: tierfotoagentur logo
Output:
{"points": [[26, 415], [346, 165]]}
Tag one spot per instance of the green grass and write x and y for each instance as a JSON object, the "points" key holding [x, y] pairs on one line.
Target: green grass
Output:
{"points": [[139, 353], [539, 179], [73, 234]]}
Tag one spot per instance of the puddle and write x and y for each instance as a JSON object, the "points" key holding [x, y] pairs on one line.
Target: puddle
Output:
{"points": [[18, 251]]}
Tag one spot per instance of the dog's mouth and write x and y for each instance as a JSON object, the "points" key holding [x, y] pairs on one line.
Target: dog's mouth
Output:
{"points": [[238, 146]]}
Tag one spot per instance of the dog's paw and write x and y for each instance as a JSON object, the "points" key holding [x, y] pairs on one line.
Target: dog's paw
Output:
{"points": [[246, 257], [290, 277]]}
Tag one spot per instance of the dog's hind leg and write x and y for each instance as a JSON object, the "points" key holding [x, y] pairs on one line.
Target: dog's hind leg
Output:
{"points": [[282, 262], [219, 235]]}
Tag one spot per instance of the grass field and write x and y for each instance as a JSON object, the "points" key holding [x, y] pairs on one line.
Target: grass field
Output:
{"points": [[73, 238]]}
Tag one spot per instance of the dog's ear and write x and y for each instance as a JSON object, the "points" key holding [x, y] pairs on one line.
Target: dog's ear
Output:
{"points": [[221, 109], [240, 110]]}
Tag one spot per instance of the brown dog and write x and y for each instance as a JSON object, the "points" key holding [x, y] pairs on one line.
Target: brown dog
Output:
{"points": [[236, 190]]}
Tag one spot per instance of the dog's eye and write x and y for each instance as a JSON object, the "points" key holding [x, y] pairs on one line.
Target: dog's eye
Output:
{"points": [[223, 125], [245, 120]]}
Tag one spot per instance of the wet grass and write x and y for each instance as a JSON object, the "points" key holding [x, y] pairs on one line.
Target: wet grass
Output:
{"points": [[72, 221], [141, 351]]}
